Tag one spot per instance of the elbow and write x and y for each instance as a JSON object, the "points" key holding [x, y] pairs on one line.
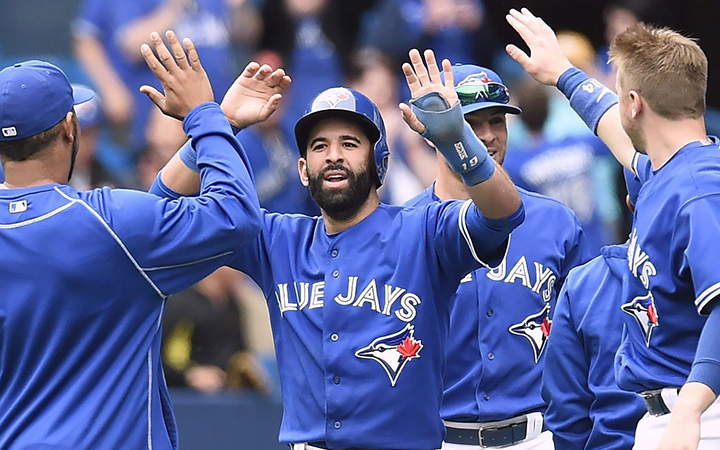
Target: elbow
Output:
{"points": [[246, 220]]}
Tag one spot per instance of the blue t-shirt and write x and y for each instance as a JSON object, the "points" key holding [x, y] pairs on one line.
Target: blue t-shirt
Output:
{"points": [[563, 170], [586, 409], [495, 348], [671, 259], [85, 279]]}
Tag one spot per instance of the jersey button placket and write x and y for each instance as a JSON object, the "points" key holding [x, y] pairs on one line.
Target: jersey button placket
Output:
{"points": [[334, 253]]}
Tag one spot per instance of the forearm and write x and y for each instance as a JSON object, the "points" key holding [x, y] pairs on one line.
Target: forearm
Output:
{"points": [[94, 61], [133, 35], [497, 197], [596, 104]]}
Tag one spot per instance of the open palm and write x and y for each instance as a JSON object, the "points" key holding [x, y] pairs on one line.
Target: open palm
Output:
{"points": [[254, 95], [421, 80]]}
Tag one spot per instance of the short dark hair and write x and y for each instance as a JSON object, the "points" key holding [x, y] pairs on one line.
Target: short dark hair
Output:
{"points": [[27, 148]]}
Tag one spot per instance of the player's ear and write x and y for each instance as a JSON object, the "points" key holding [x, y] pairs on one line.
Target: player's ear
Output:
{"points": [[636, 103], [302, 171], [68, 127]]}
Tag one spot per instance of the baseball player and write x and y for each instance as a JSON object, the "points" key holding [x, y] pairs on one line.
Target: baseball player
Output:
{"points": [[359, 297], [85, 275], [586, 409], [671, 314], [495, 351]]}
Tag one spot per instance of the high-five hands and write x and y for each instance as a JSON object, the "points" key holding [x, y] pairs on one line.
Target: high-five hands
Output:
{"points": [[183, 78], [421, 80], [254, 95], [546, 61]]}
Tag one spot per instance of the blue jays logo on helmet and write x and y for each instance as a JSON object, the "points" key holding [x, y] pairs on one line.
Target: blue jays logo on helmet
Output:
{"points": [[393, 351], [474, 79], [643, 310], [352, 105], [536, 329]]}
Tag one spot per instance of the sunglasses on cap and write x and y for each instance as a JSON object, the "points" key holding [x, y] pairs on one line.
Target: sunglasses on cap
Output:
{"points": [[491, 91]]}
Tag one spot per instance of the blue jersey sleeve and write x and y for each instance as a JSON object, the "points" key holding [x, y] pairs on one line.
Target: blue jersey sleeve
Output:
{"points": [[177, 242], [465, 240], [641, 167], [577, 252], [564, 384], [706, 367], [697, 229]]}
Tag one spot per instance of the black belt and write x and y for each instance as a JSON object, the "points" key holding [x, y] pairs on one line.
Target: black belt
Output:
{"points": [[654, 402], [491, 436]]}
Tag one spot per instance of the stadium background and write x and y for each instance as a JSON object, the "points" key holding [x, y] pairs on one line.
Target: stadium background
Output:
{"points": [[248, 417]]}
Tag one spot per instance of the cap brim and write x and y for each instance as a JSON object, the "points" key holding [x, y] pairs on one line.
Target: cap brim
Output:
{"points": [[510, 109], [82, 95]]}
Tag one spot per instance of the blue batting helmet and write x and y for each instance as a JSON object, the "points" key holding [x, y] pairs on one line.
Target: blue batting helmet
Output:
{"points": [[350, 104]]}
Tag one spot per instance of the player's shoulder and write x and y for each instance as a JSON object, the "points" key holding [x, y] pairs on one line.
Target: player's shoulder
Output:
{"points": [[284, 222], [612, 259], [425, 197], [534, 201]]}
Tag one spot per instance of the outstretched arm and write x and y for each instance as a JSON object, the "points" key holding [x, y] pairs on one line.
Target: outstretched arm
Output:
{"points": [[595, 103], [441, 121], [252, 98]]}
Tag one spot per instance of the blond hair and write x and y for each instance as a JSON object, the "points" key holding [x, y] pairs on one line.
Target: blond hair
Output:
{"points": [[666, 68]]}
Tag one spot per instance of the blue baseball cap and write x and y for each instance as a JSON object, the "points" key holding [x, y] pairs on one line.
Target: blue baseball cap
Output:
{"points": [[34, 97], [481, 88], [632, 185]]}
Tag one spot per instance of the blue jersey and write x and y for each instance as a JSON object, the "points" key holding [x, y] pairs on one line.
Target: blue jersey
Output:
{"points": [[85, 278], [273, 158], [495, 348], [563, 170], [360, 320], [586, 408], [673, 273]]}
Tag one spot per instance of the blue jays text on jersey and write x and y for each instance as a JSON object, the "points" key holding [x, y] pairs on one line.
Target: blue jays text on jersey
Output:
{"points": [[501, 317], [85, 277], [586, 408], [359, 321], [676, 225]]}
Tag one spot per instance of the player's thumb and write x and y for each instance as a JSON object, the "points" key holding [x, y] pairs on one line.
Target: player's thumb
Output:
{"points": [[153, 94], [518, 55], [270, 107], [411, 119]]}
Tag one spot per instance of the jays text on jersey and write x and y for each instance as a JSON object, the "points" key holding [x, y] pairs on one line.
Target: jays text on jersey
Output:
{"points": [[501, 318], [586, 408], [671, 259], [85, 277], [360, 320]]}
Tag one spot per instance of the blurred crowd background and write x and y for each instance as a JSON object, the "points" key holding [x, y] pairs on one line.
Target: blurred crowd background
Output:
{"points": [[216, 335]]}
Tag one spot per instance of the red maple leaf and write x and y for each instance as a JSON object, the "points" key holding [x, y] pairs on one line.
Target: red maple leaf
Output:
{"points": [[409, 348], [545, 326], [652, 314]]}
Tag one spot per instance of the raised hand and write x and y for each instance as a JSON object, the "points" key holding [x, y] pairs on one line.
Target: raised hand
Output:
{"points": [[183, 78], [254, 95], [421, 80], [546, 61]]}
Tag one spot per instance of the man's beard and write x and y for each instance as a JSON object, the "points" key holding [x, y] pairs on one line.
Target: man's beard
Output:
{"points": [[344, 203], [75, 148]]}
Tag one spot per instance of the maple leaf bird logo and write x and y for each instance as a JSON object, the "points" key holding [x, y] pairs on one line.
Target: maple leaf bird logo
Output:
{"points": [[393, 351]]}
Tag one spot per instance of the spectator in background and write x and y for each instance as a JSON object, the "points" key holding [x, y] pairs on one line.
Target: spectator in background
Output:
{"points": [[89, 173], [561, 169], [273, 156], [454, 29], [204, 339], [107, 37], [316, 37], [413, 165]]}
